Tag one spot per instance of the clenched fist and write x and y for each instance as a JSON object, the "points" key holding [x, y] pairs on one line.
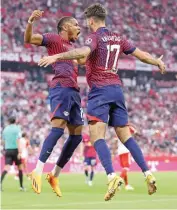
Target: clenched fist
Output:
{"points": [[36, 15]]}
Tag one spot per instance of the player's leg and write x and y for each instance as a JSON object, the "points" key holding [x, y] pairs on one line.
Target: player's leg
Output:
{"points": [[126, 138], [92, 167], [8, 163], [124, 169], [18, 163], [4, 172], [20, 174], [98, 113], [97, 137], [58, 126], [68, 149], [86, 170], [74, 126], [125, 164], [119, 120], [17, 160], [25, 167], [75, 122], [56, 132], [59, 102]]}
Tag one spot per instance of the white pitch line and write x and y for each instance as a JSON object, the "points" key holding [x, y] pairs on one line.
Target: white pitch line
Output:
{"points": [[106, 203]]}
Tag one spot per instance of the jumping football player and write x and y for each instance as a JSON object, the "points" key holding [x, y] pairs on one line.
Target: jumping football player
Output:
{"points": [[64, 95]]}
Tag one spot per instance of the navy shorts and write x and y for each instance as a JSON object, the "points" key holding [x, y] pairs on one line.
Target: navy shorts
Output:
{"points": [[65, 103], [90, 161], [107, 104]]}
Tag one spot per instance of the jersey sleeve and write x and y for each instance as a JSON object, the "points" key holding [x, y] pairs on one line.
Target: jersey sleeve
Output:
{"points": [[48, 39], [91, 42], [128, 47], [3, 135]]}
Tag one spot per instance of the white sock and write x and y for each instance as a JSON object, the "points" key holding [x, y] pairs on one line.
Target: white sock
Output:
{"points": [[111, 176], [146, 173], [39, 167], [56, 171]]}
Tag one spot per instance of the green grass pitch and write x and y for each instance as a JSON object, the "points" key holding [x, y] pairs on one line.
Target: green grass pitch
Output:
{"points": [[77, 195]]}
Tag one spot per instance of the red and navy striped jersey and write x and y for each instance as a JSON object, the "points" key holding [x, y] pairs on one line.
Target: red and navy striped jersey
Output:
{"points": [[66, 71], [89, 150], [102, 63]]}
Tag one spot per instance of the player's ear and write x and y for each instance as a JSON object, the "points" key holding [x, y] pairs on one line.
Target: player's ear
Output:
{"points": [[65, 27], [91, 21]]}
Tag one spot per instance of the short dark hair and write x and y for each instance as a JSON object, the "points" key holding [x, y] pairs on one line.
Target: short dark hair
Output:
{"points": [[96, 10], [12, 120], [62, 21], [24, 135]]}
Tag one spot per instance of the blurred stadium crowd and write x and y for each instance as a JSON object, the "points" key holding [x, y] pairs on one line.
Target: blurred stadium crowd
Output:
{"points": [[153, 113], [150, 24]]}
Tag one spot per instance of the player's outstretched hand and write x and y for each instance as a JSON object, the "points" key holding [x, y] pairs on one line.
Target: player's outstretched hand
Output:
{"points": [[161, 65], [36, 15], [47, 60]]}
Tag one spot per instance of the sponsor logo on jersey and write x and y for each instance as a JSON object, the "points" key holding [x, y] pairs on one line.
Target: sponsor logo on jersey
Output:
{"points": [[88, 41], [66, 113]]}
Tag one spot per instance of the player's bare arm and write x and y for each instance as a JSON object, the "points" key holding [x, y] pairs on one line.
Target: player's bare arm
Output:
{"points": [[79, 54], [147, 58], [29, 37]]}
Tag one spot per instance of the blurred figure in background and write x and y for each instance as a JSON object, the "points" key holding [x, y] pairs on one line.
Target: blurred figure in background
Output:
{"points": [[124, 157], [24, 150], [10, 136], [89, 159], [125, 161]]}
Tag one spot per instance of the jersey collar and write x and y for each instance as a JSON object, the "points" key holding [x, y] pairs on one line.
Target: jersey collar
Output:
{"points": [[64, 40], [102, 29]]}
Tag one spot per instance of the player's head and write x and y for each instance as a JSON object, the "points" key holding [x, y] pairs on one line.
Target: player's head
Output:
{"points": [[70, 26], [12, 120], [95, 15], [24, 135]]}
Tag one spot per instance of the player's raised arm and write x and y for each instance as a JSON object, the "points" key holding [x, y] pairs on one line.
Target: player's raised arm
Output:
{"points": [[29, 37], [149, 59]]}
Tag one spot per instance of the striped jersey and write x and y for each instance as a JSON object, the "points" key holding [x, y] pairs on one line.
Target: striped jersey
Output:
{"points": [[89, 150], [66, 71], [102, 63]]}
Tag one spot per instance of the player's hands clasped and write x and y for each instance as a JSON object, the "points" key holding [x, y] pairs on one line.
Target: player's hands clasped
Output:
{"points": [[161, 65], [47, 60], [36, 15]]}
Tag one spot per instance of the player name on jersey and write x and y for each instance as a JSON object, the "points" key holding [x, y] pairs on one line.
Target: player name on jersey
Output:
{"points": [[111, 38]]}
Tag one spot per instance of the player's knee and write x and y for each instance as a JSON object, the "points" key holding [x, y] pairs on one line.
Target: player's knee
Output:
{"points": [[97, 131], [58, 123], [20, 167], [123, 133], [75, 129]]}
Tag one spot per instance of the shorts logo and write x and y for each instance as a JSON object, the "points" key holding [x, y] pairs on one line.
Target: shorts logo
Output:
{"points": [[66, 113], [88, 41]]}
